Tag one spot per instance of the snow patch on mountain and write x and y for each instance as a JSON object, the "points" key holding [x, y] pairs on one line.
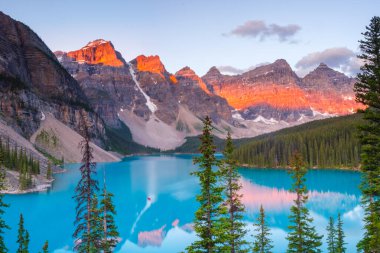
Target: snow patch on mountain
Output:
{"points": [[270, 121], [324, 114], [237, 115], [152, 107]]}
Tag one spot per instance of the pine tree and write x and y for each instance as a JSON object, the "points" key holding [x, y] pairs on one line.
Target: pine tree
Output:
{"points": [[3, 225], [302, 236], [22, 237], [84, 195], [367, 91], [45, 248], [262, 242], [331, 237], [26, 242], [96, 223], [210, 197], [107, 212], [232, 228], [340, 248]]}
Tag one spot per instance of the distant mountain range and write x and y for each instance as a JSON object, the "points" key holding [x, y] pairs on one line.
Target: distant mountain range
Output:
{"points": [[160, 108]]}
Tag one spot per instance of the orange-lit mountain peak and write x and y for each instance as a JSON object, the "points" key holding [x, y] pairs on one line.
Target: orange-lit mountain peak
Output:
{"points": [[188, 73], [150, 64], [98, 52]]}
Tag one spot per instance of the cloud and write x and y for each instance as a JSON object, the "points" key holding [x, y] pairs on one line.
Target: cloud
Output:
{"points": [[339, 58], [259, 29], [227, 69]]}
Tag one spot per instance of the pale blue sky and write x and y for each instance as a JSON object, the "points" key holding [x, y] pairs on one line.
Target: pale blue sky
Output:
{"points": [[197, 33]]}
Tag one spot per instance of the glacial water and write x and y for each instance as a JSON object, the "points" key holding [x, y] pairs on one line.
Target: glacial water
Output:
{"points": [[155, 203]]}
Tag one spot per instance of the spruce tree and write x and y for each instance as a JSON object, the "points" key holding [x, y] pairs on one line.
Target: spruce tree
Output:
{"points": [[210, 197], [262, 243], [45, 248], [331, 237], [22, 237], [95, 236], [302, 236], [232, 228], [84, 197], [340, 248], [3, 225], [110, 234], [367, 90]]}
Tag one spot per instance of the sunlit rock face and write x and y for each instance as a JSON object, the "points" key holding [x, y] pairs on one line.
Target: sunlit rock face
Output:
{"points": [[150, 64], [329, 91], [98, 52], [274, 87], [275, 91]]}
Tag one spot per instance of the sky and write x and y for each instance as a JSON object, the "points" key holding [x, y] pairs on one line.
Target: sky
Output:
{"points": [[234, 35]]}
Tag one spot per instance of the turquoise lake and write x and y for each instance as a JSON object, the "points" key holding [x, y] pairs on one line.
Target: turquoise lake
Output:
{"points": [[155, 203]]}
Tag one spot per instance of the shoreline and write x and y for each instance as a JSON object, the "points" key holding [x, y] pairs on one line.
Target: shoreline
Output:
{"points": [[249, 166]]}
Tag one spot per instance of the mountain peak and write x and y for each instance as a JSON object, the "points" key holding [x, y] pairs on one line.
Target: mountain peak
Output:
{"points": [[213, 71], [151, 64], [281, 63], [98, 52], [323, 69], [96, 43], [185, 72], [323, 66]]}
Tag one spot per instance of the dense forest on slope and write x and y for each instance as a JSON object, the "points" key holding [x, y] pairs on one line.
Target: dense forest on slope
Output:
{"points": [[328, 143]]}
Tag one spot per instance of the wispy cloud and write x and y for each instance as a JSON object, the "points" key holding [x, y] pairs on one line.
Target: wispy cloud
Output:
{"points": [[259, 29], [339, 58]]}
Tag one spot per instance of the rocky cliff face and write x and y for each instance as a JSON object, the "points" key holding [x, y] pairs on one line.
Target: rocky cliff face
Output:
{"points": [[272, 91], [109, 89], [275, 91], [330, 91], [33, 82], [191, 92], [98, 52]]}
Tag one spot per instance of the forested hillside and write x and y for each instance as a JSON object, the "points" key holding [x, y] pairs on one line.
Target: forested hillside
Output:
{"points": [[328, 143]]}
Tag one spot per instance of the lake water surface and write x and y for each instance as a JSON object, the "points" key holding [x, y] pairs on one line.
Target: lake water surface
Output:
{"points": [[155, 203]]}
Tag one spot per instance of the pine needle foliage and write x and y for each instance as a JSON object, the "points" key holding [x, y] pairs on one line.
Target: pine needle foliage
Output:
{"points": [[302, 236]]}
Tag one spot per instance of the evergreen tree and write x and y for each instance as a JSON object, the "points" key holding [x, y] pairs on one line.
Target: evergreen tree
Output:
{"points": [[96, 223], [340, 248], [331, 237], [302, 236], [107, 212], [210, 197], [22, 237], [367, 91], [232, 230], [45, 248], [262, 242], [3, 225], [84, 197]]}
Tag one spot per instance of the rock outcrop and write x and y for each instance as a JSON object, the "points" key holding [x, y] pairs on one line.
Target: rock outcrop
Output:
{"points": [[330, 91], [275, 91], [33, 82], [98, 52]]}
